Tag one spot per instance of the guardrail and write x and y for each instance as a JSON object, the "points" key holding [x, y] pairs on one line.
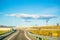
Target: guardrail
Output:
{"points": [[39, 37], [6, 34]]}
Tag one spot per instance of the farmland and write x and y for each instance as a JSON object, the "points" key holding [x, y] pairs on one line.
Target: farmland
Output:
{"points": [[52, 31], [4, 30]]}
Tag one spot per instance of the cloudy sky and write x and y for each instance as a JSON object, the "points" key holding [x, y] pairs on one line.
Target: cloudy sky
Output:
{"points": [[29, 12]]}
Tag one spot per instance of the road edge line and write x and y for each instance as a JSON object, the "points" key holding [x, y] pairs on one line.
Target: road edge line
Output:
{"points": [[12, 36], [26, 36]]}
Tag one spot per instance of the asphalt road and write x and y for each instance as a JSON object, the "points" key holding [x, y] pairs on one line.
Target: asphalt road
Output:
{"points": [[19, 35]]}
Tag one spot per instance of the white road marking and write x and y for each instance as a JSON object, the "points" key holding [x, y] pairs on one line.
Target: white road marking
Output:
{"points": [[26, 36], [12, 36]]}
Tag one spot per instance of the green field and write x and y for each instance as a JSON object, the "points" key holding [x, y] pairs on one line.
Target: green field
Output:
{"points": [[3, 32]]}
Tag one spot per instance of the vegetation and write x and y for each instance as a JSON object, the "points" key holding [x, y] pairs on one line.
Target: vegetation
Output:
{"points": [[3, 32], [53, 31], [5, 29]]}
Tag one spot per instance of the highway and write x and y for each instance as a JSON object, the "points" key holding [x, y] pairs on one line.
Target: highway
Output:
{"points": [[22, 35], [19, 35]]}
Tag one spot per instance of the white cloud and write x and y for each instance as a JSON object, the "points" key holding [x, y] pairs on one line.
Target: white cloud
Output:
{"points": [[23, 15], [46, 13], [10, 15], [31, 16]]}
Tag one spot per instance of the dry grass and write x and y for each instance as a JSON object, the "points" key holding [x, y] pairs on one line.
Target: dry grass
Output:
{"points": [[4, 30], [53, 31]]}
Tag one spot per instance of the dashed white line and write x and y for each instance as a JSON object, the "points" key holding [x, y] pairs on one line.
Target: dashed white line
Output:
{"points": [[26, 36]]}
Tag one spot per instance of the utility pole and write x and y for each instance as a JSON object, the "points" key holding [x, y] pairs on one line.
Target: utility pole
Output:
{"points": [[57, 24], [47, 21]]}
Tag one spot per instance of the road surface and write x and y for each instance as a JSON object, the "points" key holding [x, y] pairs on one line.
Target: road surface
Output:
{"points": [[19, 35]]}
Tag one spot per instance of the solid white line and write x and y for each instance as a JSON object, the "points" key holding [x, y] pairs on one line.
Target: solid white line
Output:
{"points": [[12, 36], [26, 36]]}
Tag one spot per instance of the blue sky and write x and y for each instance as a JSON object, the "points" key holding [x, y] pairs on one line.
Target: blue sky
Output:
{"points": [[29, 12]]}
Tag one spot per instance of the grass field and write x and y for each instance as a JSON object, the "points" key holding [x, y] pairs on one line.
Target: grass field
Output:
{"points": [[53, 31], [4, 30]]}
